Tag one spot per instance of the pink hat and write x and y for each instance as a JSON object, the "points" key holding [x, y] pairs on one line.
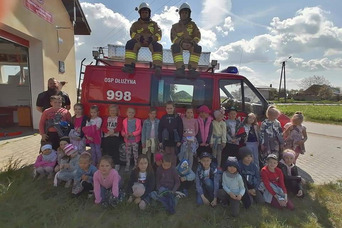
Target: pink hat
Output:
{"points": [[158, 157], [204, 108], [69, 149]]}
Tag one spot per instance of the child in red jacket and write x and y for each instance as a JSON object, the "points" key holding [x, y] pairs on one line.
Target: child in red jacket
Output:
{"points": [[273, 185]]}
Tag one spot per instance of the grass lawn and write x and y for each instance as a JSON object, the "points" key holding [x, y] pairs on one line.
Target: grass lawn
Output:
{"points": [[27, 203], [315, 113]]}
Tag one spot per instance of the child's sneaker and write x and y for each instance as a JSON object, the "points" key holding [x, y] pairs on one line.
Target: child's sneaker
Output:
{"points": [[117, 167], [68, 184], [90, 194]]}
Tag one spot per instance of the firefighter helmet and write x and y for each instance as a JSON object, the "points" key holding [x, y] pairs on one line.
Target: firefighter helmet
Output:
{"points": [[184, 6], [143, 5]]}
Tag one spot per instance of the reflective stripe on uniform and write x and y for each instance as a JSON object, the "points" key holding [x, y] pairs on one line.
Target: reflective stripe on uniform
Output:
{"points": [[178, 58], [151, 27], [133, 34], [158, 36], [194, 58], [197, 39], [157, 56], [130, 55]]}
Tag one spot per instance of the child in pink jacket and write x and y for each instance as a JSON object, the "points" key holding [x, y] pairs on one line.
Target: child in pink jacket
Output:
{"points": [[45, 162], [131, 131]]}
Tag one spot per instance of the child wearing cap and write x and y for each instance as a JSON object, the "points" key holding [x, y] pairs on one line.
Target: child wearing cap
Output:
{"points": [[293, 181], [250, 175], [205, 130], [233, 187], [207, 181], [218, 139], [68, 169], [63, 141], [271, 134], [83, 181], [234, 135], [273, 186], [186, 176], [45, 162]]}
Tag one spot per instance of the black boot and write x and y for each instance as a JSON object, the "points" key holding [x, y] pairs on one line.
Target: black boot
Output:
{"points": [[193, 73], [180, 72], [157, 70], [129, 68]]}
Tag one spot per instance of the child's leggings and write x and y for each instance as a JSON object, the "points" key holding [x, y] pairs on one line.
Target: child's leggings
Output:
{"points": [[131, 148], [95, 152]]}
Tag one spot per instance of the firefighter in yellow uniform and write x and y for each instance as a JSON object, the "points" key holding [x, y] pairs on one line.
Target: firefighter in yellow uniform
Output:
{"points": [[144, 33], [185, 35]]}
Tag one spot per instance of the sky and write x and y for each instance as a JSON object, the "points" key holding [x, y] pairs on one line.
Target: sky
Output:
{"points": [[255, 36]]}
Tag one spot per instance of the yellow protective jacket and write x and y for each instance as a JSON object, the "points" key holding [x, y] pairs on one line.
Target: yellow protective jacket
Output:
{"points": [[146, 29], [187, 32]]}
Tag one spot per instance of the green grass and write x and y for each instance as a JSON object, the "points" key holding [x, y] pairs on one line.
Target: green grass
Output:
{"points": [[315, 113], [27, 203]]}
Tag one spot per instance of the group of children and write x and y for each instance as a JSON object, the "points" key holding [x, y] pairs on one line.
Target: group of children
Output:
{"points": [[226, 153]]}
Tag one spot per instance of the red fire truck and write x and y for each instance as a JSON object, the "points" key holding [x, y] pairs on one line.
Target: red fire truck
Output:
{"points": [[105, 84]]}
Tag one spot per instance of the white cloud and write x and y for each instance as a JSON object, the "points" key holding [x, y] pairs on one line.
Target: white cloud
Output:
{"points": [[228, 24], [316, 64], [214, 12], [165, 20], [208, 39], [246, 69], [308, 30]]}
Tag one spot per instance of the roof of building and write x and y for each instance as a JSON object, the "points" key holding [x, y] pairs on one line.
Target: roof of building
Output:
{"points": [[81, 26]]}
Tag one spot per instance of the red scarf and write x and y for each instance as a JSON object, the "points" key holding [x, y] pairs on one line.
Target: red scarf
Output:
{"points": [[204, 130]]}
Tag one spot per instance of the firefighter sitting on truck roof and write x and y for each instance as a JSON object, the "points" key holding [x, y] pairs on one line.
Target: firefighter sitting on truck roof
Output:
{"points": [[144, 33], [185, 35]]}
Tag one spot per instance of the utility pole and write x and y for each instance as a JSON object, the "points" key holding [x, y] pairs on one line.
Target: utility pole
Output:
{"points": [[281, 77]]}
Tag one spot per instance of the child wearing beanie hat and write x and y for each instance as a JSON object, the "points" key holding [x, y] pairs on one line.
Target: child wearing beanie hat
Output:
{"points": [[250, 174], [293, 181], [233, 187], [45, 162], [68, 169]]}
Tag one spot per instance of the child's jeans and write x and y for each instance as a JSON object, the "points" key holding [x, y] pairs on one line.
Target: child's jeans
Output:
{"points": [[217, 153], [44, 170], [131, 148], [208, 191], [253, 146], [95, 152]]}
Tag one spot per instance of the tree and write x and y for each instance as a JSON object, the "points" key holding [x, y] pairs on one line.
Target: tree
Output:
{"points": [[314, 80], [325, 93]]}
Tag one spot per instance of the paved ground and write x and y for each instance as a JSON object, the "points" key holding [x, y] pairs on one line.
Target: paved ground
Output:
{"points": [[321, 163]]}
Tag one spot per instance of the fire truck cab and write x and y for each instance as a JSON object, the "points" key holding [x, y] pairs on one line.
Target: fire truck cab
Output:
{"points": [[105, 84]]}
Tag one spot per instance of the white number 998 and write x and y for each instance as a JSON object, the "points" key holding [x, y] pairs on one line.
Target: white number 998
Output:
{"points": [[119, 95]]}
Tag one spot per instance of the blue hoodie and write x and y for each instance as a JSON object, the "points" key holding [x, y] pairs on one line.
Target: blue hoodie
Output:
{"points": [[251, 174]]}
